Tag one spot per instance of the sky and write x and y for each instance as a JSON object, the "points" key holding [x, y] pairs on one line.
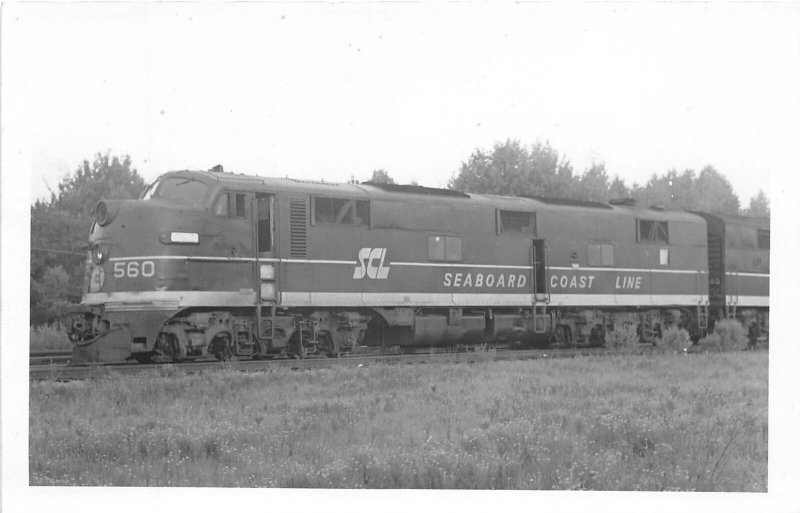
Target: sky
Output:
{"points": [[334, 90]]}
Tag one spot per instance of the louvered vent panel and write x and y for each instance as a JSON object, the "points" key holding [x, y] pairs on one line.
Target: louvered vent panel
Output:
{"points": [[298, 224]]}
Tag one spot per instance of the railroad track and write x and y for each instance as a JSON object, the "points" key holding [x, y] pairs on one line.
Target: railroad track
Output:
{"points": [[50, 357], [59, 370]]}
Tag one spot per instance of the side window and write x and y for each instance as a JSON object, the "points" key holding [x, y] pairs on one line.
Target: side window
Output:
{"points": [[652, 231], [241, 206], [436, 248], [444, 248], [512, 221], [231, 205], [600, 254], [452, 249], [221, 208], [341, 211], [326, 209], [264, 205], [763, 239], [362, 213]]}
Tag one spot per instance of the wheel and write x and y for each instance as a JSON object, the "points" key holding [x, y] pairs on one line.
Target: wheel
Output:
{"points": [[295, 348], [166, 348], [564, 335], [597, 338], [220, 347], [328, 346]]}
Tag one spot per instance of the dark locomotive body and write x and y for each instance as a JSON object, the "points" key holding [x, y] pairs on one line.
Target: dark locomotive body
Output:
{"points": [[212, 263], [738, 262]]}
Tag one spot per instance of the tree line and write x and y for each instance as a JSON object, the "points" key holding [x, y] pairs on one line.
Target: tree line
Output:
{"points": [[60, 224], [60, 231], [513, 169]]}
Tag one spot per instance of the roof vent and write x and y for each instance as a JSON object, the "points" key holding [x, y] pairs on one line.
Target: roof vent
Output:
{"points": [[623, 202], [416, 189], [568, 202]]}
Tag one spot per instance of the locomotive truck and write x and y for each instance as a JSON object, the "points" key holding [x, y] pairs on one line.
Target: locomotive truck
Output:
{"points": [[216, 264]]}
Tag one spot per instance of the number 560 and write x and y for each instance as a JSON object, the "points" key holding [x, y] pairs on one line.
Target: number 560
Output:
{"points": [[134, 269]]}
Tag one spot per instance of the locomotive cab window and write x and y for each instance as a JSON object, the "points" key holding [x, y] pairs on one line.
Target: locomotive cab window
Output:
{"points": [[652, 231], [512, 221], [444, 249], [185, 190], [341, 211]]}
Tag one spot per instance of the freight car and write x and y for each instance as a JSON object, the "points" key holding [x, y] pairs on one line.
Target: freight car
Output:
{"points": [[210, 263]]}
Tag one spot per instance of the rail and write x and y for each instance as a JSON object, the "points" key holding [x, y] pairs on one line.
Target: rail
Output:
{"points": [[62, 371]]}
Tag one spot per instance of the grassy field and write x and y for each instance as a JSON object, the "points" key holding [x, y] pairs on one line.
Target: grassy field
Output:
{"points": [[49, 337], [666, 422]]}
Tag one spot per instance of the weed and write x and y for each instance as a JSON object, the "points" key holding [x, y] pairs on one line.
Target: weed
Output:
{"points": [[729, 335], [49, 337], [624, 339], [675, 339]]}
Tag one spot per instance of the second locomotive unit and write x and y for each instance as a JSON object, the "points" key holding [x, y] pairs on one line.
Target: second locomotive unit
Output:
{"points": [[214, 263]]}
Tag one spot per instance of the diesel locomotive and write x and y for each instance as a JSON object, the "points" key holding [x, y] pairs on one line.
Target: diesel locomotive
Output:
{"points": [[215, 264]]}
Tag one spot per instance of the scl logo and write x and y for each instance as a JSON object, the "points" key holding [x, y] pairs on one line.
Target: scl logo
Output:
{"points": [[370, 262]]}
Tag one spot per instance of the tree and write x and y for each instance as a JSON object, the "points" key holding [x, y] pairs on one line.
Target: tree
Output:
{"points": [[709, 191], [512, 169], [759, 206], [381, 176], [593, 184], [53, 294], [617, 189], [105, 177], [669, 190], [715, 193], [60, 228]]}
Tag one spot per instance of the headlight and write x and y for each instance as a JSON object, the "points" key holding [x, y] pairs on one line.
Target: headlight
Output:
{"points": [[99, 253], [106, 211], [101, 213]]}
